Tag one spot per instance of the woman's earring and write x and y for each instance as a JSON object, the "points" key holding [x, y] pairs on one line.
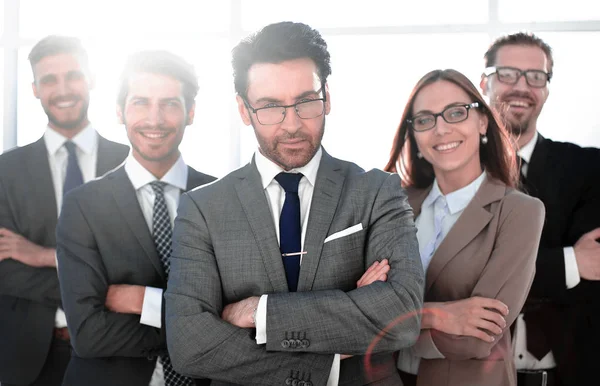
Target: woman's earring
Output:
{"points": [[419, 155], [484, 139]]}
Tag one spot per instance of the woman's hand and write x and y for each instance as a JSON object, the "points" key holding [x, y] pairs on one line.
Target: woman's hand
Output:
{"points": [[482, 318]]}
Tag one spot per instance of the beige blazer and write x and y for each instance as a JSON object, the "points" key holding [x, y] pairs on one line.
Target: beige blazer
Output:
{"points": [[490, 252]]}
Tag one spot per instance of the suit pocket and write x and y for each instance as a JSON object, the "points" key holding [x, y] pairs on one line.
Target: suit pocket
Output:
{"points": [[346, 244]]}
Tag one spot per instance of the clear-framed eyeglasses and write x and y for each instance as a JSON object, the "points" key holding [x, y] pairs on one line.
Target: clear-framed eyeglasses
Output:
{"points": [[451, 114], [272, 114]]}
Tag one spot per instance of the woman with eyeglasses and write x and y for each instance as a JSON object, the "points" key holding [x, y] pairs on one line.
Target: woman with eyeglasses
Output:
{"points": [[478, 235]]}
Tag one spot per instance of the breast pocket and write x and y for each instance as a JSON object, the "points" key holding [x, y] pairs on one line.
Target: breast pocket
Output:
{"points": [[342, 262]]}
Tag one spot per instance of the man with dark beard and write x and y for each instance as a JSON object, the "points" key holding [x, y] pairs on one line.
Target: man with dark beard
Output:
{"points": [[114, 234], [263, 287], [34, 341], [557, 336]]}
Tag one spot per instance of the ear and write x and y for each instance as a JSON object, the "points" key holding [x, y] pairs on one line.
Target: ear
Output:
{"points": [[328, 101], [190, 114], [483, 84], [243, 110], [35, 90], [483, 124], [120, 117]]}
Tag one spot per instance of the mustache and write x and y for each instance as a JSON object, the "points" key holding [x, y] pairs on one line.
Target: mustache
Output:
{"points": [[287, 136], [66, 98], [519, 94]]}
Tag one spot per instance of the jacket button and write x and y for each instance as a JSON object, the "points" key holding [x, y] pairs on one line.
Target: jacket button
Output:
{"points": [[288, 381], [292, 343], [295, 382], [308, 383], [305, 343], [285, 343]]}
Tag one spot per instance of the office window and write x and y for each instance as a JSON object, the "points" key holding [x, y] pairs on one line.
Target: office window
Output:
{"points": [[519, 11], [360, 13]]}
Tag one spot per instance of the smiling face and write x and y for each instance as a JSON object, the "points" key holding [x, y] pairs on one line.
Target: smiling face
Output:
{"points": [[520, 104], [451, 148], [155, 117], [62, 84], [293, 142]]}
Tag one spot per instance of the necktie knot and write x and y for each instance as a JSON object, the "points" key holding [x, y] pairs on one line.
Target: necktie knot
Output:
{"points": [[289, 181], [158, 186], [71, 147]]}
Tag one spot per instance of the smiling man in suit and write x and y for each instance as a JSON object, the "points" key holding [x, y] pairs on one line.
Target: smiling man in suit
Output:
{"points": [[114, 234], [34, 341], [557, 336], [266, 260]]}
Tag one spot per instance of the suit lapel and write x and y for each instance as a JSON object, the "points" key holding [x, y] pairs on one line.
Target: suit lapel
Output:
{"points": [[105, 161], [537, 168], [39, 167], [470, 223], [127, 202], [256, 208], [326, 194]]}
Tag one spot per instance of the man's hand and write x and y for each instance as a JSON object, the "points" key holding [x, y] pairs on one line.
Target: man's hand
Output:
{"points": [[125, 298], [16, 247], [241, 314], [471, 317], [377, 271], [587, 254]]}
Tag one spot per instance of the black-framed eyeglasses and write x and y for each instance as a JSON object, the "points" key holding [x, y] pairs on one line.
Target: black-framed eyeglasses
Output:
{"points": [[306, 108], [511, 75], [451, 114]]}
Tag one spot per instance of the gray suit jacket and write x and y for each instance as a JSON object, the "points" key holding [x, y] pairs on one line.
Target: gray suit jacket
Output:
{"points": [[30, 296], [226, 249], [103, 239]]}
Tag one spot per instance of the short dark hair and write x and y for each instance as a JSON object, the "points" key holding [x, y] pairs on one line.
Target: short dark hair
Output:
{"points": [[276, 43], [498, 156], [55, 45], [517, 39], [163, 63]]}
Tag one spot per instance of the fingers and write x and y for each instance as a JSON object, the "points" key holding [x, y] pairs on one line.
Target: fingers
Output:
{"points": [[493, 317], [6, 233], [492, 327], [592, 235], [492, 304], [477, 333], [375, 272]]}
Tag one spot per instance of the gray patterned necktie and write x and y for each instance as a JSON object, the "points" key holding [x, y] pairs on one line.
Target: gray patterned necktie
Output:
{"points": [[161, 232]]}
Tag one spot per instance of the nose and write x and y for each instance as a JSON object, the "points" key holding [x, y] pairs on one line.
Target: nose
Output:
{"points": [[291, 122], [155, 116], [521, 83], [441, 126]]}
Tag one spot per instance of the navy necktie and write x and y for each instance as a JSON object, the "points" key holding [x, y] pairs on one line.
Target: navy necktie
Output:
{"points": [[290, 229], [73, 178]]}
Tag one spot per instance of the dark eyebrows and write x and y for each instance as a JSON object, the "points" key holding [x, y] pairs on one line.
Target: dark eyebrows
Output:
{"points": [[445, 107], [300, 96]]}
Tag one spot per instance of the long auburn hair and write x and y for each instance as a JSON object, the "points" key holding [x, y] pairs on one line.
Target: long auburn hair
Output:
{"points": [[498, 156]]}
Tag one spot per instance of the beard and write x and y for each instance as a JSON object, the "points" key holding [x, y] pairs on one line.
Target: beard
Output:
{"points": [[71, 124], [290, 159]]}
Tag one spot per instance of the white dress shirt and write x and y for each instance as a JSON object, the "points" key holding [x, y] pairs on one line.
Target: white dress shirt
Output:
{"points": [[86, 148], [275, 198], [457, 201], [523, 358], [176, 182]]}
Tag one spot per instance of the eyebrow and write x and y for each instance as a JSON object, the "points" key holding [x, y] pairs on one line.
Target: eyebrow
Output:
{"points": [[300, 96], [445, 107], [168, 99]]}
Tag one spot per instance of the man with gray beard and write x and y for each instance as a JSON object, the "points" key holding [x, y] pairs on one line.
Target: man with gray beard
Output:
{"points": [[556, 337]]}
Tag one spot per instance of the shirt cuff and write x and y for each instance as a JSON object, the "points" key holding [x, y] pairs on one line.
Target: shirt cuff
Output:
{"points": [[152, 307], [261, 320], [334, 375], [572, 277]]}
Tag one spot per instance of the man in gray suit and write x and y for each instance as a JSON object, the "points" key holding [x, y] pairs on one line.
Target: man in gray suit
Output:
{"points": [[266, 260], [34, 341], [114, 234]]}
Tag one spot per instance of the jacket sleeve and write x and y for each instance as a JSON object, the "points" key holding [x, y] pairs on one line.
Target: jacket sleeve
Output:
{"points": [[512, 260], [95, 331]]}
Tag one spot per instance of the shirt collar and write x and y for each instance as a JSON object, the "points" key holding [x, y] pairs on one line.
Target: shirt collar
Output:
{"points": [[268, 169], [457, 200], [140, 176], [85, 140], [527, 151]]}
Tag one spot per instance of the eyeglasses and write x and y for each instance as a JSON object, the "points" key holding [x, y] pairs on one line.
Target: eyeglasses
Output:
{"points": [[511, 75], [451, 114], [305, 109]]}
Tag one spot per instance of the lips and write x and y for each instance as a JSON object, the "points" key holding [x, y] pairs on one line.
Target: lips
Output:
{"points": [[65, 103], [154, 134], [444, 147]]}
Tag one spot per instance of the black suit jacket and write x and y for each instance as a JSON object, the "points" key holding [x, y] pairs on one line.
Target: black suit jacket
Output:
{"points": [[30, 296], [566, 178], [103, 239]]}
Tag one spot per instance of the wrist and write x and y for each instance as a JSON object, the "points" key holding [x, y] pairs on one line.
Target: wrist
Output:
{"points": [[430, 317]]}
